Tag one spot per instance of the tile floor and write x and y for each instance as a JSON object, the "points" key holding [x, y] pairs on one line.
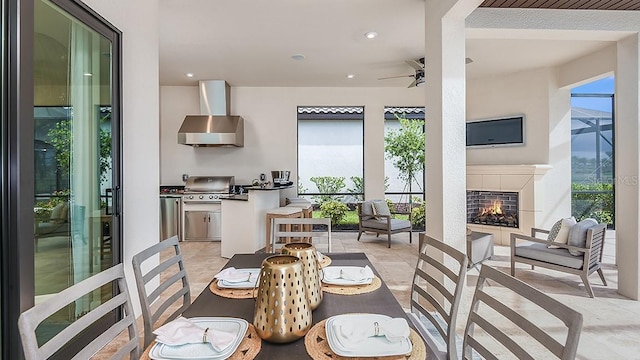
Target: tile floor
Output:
{"points": [[611, 327]]}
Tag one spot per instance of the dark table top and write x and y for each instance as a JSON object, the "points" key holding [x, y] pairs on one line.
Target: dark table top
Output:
{"points": [[380, 301]]}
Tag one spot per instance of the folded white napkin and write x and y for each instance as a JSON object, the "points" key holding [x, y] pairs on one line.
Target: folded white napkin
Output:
{"points": [[320, 256], [184, 331], [233, 275], [347, 273], [352, 331]]}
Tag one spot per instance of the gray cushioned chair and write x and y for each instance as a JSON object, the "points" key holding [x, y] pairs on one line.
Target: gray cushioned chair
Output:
{"points": [[380, 221], [536, 252]]}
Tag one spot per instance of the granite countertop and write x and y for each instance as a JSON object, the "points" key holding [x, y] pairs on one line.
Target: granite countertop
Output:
{"points": [[268, 187], [236, 197]]}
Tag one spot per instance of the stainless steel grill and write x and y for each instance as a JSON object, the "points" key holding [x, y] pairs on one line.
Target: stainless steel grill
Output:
{"points": [[207, 189], [202, 208]]}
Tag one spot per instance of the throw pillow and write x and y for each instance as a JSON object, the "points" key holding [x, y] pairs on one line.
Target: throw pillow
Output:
{"points": [[380, 208], [59, 213], [367, 208], [578, 235], [559, 232]]}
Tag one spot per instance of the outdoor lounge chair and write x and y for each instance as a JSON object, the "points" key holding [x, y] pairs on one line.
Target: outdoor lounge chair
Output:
{"points": [[580, 258], [375, 216]]}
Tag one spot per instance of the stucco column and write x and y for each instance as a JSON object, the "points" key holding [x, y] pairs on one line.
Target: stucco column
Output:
{"points": [[445, 166], [627, 162]]}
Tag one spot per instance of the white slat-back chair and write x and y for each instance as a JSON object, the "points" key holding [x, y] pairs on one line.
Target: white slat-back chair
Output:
{"points": [[301, 230], [29, 320], [493, 321], [440, 268], [173, 285]]}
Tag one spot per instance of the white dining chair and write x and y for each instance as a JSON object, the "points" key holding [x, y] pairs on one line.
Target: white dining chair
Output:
{"points": [[30, 320], [302, 230], [542, 328], [161, 281], [437, 283]]}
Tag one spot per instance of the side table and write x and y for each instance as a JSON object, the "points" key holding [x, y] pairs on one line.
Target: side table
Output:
{"points": [[479, 247]]}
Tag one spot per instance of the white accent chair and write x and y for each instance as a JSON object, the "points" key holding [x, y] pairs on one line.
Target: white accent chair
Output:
{"points": [[301, 230], [30, 319], [493, 322], [160, 300], [441, 268]]}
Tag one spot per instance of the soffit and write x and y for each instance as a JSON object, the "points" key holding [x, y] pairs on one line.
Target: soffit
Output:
{"points": [[565, 4]]}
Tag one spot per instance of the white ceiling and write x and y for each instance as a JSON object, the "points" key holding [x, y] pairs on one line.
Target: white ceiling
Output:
{"points": [[250, 43]]}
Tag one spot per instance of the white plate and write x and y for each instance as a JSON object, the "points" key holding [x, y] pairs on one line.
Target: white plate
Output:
{"points": [[345, 282], [255, 272], [369, 347], [202, 351]]}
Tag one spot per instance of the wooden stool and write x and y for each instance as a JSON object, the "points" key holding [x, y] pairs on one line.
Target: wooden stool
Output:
{"points": [[307, 212], [281, 212]]}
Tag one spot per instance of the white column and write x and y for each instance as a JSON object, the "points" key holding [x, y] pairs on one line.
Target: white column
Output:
{"points": [[445, 119], [627, 166]]}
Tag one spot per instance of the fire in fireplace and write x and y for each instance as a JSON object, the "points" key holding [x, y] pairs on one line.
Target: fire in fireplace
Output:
{"points": [[492, 208]]}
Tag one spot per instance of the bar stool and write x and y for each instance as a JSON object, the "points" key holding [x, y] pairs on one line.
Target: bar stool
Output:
{"points": [[281, 212], [307, 212]]}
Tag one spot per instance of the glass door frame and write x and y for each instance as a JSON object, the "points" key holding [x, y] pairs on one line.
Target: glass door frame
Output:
{"points": [[17, 288]]}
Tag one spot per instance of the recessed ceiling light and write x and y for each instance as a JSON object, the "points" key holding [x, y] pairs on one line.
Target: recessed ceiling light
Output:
{"points": [[371, 35], [87, 74], [297, 57], [350, 76], [189, 74]]}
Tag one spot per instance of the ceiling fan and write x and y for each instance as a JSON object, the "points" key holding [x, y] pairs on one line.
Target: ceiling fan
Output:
{"points": [[418, 66]]}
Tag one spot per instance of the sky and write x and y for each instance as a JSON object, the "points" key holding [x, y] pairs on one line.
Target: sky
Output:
{"points": [[602, 86]]}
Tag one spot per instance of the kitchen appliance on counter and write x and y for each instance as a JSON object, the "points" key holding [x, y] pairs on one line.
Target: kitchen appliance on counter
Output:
{"points": [[280, 177], [202, 208]]}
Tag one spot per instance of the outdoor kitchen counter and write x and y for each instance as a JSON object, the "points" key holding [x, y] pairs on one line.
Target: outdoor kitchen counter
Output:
{"points": [[244, 219]]}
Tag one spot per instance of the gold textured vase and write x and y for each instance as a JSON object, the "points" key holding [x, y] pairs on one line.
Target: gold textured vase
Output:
{"points": [[282, 313], [309, 256]]}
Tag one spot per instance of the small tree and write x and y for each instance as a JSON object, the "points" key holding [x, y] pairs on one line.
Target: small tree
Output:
{"points": [[405, 147]]}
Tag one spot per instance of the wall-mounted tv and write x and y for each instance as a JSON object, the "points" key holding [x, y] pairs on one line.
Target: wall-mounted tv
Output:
{"points": [[507, 131]]}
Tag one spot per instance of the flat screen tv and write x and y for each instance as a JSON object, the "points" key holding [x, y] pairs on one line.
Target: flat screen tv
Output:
{"points": [[508, 131]]}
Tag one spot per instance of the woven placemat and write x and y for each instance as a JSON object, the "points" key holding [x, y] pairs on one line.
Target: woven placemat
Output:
{"points": [[231, 293], [318, 348], [326, 261], [353, 289], [247, 350]]}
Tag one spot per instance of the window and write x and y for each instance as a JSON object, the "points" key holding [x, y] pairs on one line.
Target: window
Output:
{"points": [[592, 151], [331, 153], [404, 163]]}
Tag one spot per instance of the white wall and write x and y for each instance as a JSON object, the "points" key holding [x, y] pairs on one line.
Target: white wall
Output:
{"points": [[270, 130], [138, 21], [547, 110]]}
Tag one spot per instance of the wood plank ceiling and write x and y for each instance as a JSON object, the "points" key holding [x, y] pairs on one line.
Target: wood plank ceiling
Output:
{"points": [[565, 4]]}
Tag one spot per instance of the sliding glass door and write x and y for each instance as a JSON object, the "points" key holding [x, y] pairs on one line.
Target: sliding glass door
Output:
{"points": [[75, 132]]}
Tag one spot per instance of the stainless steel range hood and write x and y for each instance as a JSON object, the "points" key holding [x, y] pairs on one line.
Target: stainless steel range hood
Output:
{"points": [[214, 126]]}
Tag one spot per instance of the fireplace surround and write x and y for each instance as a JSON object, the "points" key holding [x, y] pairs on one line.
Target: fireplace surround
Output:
{"points": [[524, 180]]}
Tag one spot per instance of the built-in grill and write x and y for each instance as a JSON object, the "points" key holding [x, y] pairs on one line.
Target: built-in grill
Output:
{"points": [[201, 207]]}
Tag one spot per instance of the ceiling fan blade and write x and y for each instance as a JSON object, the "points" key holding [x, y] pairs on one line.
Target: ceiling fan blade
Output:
{"points": [[414, 64], [395, 77]]}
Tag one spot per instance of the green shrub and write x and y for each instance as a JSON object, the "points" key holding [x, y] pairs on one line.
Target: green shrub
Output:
{"points": [[327, 185], [594, 200], [418, 213], [335, 210]]}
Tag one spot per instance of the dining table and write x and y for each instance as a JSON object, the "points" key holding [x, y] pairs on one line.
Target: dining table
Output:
{"points": [[380, 301]]}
